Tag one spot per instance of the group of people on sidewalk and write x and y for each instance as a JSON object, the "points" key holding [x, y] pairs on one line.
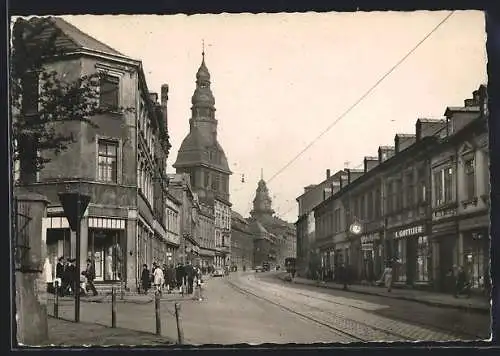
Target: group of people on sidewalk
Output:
{"points": [[182, 278], [343, 274], [67, 280]]}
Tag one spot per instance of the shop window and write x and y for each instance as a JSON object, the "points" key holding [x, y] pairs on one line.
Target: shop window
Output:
{"points": [[474, 260], [470, 179], [423, 259], [107, 161], [401, 255]]}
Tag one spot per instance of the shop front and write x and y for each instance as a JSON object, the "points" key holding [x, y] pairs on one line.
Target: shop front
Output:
{"points": [[411, 247], [476, 251], [371, 256]]}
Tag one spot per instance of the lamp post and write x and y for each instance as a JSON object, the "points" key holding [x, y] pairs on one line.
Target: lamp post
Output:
{"points": [[74, 204]]}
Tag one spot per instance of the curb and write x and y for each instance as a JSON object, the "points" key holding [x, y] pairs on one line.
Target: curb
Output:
{"points": [[421, 301]]}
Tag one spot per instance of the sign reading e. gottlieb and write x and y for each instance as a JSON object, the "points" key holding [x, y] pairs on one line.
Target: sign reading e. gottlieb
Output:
{"points": [[415, 230]]}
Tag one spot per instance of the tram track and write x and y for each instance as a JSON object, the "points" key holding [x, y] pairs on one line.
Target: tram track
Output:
{"points": [[317, 315], [464, 335]]}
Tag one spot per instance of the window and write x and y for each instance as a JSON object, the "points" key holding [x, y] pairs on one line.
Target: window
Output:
{"points": [[423, 259], [30, 85], [410, 189], [370, 206], [215, 182], [363, 208], [448, 184], [398, 193], [336, 217], [422, 186], [107, 161], [438, 188], [225, 187], [206, 177], [470, 179], [443, 186], [388, 197], [377, 203], [109, 89]]}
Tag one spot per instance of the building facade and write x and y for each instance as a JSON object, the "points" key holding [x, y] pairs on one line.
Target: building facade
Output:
{"points": [[423, 201], [307, 255], [180, 188], [460, 204], [242, 244], [207, 233], [202, 157], [124, 223], [173, 227]]}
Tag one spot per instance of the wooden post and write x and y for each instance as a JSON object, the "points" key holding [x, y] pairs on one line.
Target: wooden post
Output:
{"points": [[56, 300], [180, 333], [157, 313], [113, 306]]}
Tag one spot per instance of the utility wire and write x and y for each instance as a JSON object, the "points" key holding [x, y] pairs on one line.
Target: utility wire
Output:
{"points": [[356, 103]]}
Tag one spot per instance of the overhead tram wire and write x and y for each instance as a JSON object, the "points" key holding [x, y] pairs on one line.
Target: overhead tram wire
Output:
{"points": [[357, 102]]}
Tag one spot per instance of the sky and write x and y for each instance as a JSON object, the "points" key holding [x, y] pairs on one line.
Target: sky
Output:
{"points": [[279, 80]]}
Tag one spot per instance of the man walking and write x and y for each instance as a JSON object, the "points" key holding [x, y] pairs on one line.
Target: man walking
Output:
{"points": [[90, 275], [190, 274]]}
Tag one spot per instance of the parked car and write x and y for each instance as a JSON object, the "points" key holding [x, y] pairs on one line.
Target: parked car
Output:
{"points": [[218, 272], [259, 269]]}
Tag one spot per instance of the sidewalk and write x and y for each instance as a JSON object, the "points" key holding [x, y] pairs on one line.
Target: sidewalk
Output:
{"points": [[68, 333], [474, 303]]}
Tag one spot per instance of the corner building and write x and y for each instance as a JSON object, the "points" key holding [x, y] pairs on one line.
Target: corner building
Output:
{"points": [[121, 164], [202, 157]]}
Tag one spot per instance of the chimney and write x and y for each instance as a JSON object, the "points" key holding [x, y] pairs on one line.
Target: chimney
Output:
{"points": [[154, 97], [370, 163], [327, 173], [469, 103], [164, 99], [164, 94], [384, 153], [353, 174], [429, 127], [402, 141]]}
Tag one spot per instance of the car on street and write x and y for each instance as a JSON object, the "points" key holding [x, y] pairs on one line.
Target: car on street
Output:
{"points": [[259, 269], [218, 272]]}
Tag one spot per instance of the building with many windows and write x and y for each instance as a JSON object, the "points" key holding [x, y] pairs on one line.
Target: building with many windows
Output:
{"points": [[120, 163], [423, 202], [307, 256], [242, 244]]}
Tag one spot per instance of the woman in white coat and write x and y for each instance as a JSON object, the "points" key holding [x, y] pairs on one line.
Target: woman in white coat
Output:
{"points": [[388, 276], [158, 278], [49, 278]]}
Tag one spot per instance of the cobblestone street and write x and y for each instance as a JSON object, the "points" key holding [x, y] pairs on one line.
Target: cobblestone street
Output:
{"points": [[246, 309]]}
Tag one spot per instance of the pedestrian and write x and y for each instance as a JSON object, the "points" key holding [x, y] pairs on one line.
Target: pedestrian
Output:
{"points": [[388, 276], [145, 279], [170, 278], [69, 277], [158, 278], [462, 286], [179, 276], [343, 276], [190, 274], [90, 275], [65, 280]]}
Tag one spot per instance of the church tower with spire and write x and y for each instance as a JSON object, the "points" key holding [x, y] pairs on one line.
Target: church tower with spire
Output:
{"points": [[200, 153], [202, 157], [262, 203]]}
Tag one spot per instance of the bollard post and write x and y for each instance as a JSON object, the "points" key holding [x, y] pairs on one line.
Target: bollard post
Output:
{"points": [[113, 307], [157, 313], [180, 333], [56, 300]]}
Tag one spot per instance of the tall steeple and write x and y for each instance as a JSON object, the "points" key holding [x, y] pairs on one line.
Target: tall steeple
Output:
{"points": [[262, 203], [200, 153]]}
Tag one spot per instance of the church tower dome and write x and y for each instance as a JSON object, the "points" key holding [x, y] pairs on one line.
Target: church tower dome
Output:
{"points": [[262, 203], [203, 96]]}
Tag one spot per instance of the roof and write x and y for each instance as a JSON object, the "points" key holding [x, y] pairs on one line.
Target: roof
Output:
{"points": [[424, 142], [71, 37], [194, 148]]}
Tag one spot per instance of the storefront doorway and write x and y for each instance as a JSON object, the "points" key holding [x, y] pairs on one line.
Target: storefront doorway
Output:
{"points": [[106, 250]]}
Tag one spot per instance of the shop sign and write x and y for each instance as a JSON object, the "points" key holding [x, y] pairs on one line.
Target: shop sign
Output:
{"points": [[415, 230], [367, 247], [370, 238]]}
